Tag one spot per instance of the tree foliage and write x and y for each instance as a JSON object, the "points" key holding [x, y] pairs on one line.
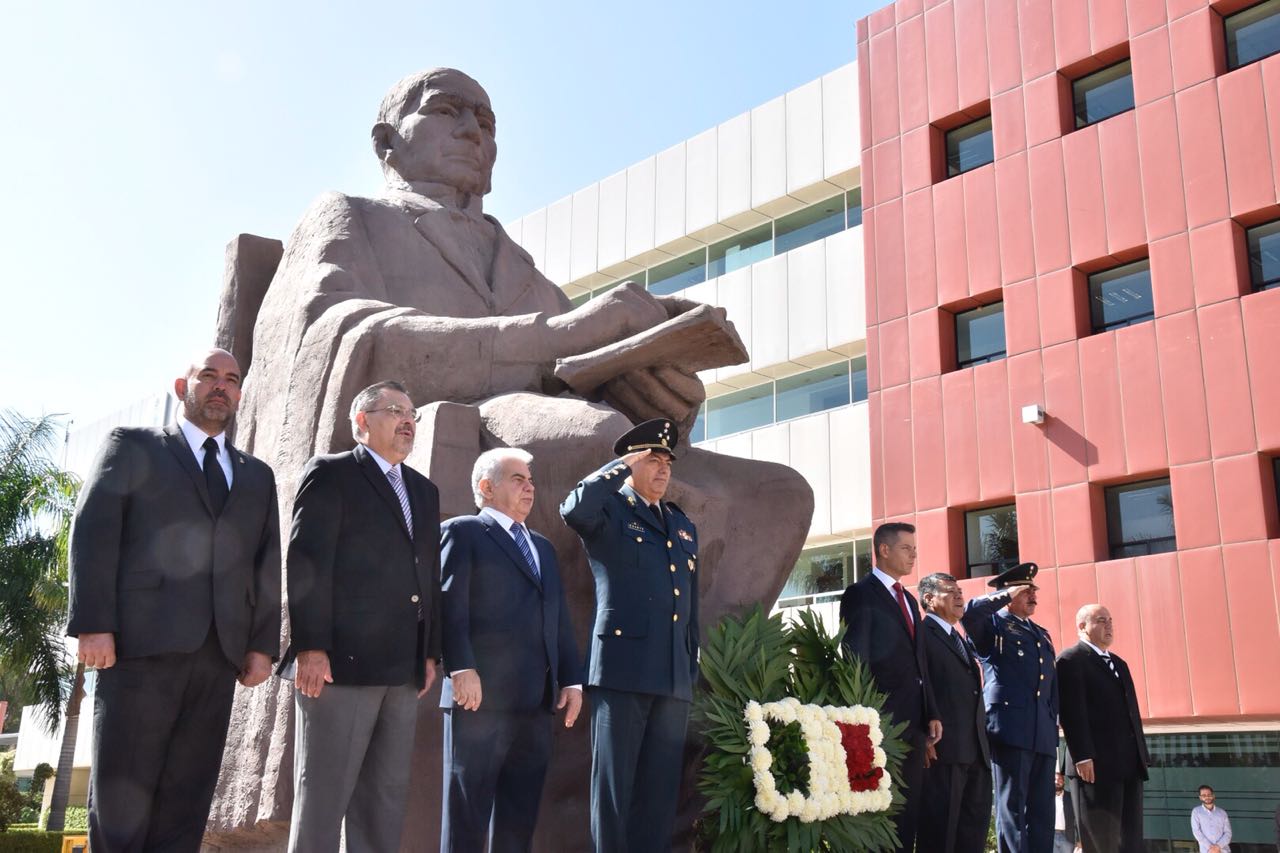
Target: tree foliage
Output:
{"points": [[37, 499]]}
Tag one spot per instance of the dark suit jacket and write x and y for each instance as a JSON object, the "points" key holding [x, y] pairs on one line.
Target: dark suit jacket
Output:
{"points": [[360, 588], [645, 638], [877, 634], [500, 620], [957, 688], [152, 564], [1099, 716]]}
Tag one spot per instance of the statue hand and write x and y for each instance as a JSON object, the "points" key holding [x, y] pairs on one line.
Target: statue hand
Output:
{"points": [[618, 314], [657, 392]]}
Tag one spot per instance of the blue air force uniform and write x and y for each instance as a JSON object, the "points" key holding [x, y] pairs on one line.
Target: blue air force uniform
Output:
{"points": [[643, 659], [1021, 693]]}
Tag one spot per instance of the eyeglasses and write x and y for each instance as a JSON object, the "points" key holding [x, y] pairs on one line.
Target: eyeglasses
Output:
{"points": [[398, 413]]}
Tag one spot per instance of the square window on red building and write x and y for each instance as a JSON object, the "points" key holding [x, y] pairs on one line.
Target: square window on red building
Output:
{"points": [[1252, 33], [1103, 94], [1121, 296], [1140, 518], [969, 146], [991, 540], [980, 335], [1264, 255]]}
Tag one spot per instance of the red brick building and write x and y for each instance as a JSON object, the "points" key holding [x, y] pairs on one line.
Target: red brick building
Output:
{"points": [[1072, 205]]}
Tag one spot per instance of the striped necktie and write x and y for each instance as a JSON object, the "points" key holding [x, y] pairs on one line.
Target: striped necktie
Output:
{"points": [[522, 542], [1107, 656], [397, 485]]}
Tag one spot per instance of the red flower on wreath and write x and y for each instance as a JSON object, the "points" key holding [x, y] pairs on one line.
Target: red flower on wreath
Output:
{"points": [[859, 757]]}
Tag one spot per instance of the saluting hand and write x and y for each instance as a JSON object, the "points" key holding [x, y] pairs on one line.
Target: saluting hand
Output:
{"points": [[571, 699], [97, 650], [313, 673], [631, 459]]}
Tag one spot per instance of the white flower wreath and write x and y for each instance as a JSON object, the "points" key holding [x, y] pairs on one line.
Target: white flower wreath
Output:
{"points": [[829, 791]]}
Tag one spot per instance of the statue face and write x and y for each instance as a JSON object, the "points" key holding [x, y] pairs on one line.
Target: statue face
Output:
{"points": [[449, 139]]}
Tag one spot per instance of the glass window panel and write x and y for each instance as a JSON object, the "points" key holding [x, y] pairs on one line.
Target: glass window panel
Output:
{"points": [[741, 250], [819, 572], [969, 146], [862, 559], [580, 299], [741, 410], [1253, 33], [1264, 255], [699, 430], [991, 537], [1104, 93], [677, 274], [858, 373], [809, 224], [1275, 472], [813, 391], [853, 200], [1121, 296], [1140, 518], [1242, 767], [980, 335]]}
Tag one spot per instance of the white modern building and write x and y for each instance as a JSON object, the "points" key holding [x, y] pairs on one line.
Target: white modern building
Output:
{"points": [[762, 215]]}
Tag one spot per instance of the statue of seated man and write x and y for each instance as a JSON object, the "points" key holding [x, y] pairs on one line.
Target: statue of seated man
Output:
{"points": [[418, 284]]}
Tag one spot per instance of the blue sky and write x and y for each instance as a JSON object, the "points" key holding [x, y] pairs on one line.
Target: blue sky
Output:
{"points": [[140, 138]]}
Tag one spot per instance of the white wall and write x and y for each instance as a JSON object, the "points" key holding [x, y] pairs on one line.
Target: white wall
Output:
{"points": [[795, 149]]}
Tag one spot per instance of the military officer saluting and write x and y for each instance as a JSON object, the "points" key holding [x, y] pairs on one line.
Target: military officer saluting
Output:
{"points": [[1021, 692], [643, 660]]}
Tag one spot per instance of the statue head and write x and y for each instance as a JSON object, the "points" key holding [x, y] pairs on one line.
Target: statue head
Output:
{"points": [[437, 126]]}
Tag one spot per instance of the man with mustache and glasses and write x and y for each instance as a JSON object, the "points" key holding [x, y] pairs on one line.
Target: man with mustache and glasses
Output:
{"points": [[175, 595], [364, 614]]}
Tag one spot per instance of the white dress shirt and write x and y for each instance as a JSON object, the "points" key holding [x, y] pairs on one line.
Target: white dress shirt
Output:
{"points": [[196, 438], [888, 580], [946, 626], [384, 465]]}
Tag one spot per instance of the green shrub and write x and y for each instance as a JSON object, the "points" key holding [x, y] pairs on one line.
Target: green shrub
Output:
{"points": [[76, 820], [30, 842]]}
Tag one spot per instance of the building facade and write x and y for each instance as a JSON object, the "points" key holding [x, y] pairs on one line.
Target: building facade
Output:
{"points": [[1071, 247], [762, 215]]}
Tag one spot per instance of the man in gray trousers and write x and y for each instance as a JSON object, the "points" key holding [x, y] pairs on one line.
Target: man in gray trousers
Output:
{"points": [[364, 608]]}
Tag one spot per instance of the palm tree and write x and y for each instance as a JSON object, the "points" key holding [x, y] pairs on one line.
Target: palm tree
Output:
{"points": [[36, 503]]}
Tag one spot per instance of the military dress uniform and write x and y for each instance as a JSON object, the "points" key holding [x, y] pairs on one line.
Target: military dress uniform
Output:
{"points": [[643, 659], [1021, 693]]}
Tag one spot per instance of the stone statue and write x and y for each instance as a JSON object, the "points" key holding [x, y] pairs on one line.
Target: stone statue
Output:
{"points": [[420, 285]]}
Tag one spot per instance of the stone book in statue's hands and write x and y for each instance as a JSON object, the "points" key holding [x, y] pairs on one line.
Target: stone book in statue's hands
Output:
{"points": [[699, 339]]}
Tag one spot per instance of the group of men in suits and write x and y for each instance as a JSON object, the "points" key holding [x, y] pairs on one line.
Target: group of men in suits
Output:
{"points": [[176, 595], [982, 709]]}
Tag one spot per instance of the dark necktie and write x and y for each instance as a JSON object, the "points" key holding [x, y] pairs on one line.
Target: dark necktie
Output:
{"points": [[522, 542], [1111, 663], [906, 614], [656, 509], [955, 635], [214, 478]]}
